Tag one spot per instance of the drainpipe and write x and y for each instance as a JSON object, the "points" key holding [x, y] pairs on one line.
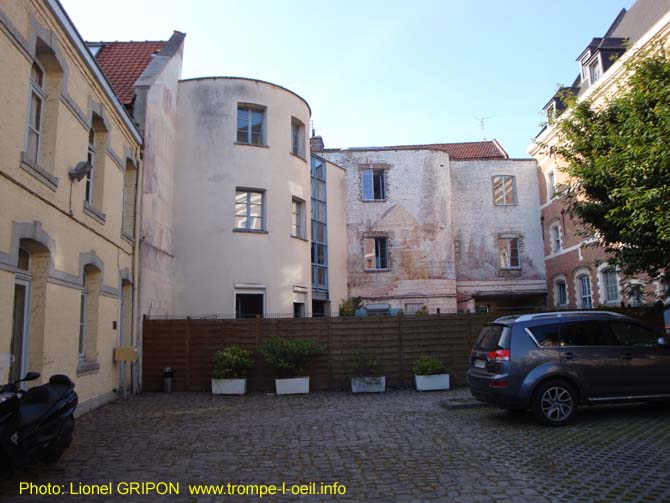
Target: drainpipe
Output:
{"points": [[136, 333]]}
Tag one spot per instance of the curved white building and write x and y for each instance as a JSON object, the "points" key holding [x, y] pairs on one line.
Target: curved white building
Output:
{"points": [[242, 199]]}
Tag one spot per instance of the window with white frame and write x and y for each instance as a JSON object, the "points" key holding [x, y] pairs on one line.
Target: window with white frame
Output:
{"points": [[504, 190], [297, 138], [610, 285], [250, 210], [250, 125], [508, 250], [376, 253], [37, 97], [585, 298], [551, 185], [555, 231], [560, 293], [298, 229], [594, 71], [374, 184]]}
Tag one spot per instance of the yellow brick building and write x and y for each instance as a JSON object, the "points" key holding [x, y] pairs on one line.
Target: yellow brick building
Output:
{"points": [[69, 165]]}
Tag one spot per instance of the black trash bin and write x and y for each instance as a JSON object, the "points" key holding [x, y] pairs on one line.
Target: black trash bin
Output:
{"points": [[168, 374]]}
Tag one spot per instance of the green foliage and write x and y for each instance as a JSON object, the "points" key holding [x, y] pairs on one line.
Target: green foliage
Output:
{"points": [[421, 312], [427, 365], [366, 365], [290, 357], [231, 363], [350, 306], [618, 161]]}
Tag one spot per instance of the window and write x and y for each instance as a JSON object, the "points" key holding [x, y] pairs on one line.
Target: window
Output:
{"points": [[634, 335], [551, 112], [594, 71], [504, 190], [636, 294], [297, 137], [546, 335], [509, 253], [588, 333], [555, 238], [250, 210], [298, 309], [319, 229], [551, 184], [83, 305], [37, 98], [560, 293], [249, 305], [376, 253], [413, 308], [91, 160], [586, 301], [298, 219], [374, 184], [611, 285], [250, 125], [129, 195]]}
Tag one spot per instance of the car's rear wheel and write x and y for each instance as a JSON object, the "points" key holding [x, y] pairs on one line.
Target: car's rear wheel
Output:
{"points": [[555, 403]]}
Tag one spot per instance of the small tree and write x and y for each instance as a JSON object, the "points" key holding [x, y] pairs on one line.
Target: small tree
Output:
{"points": [[618, 161], [349, 306]]}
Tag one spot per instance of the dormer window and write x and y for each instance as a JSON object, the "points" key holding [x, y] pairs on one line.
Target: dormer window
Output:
{"points": [[551, 111], [594, 71], [584, 66]]}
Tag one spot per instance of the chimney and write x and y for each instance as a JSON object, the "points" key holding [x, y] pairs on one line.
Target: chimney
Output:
{"points": [[316, 144]]}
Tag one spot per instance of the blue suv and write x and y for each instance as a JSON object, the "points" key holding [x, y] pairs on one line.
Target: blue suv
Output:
{"points": [[553, 362]]}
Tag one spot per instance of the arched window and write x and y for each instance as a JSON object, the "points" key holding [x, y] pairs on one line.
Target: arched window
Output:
{"points": [[610, 285], [551, 185], [38, 96], [585, 296], [560, 293], [555, 232]]}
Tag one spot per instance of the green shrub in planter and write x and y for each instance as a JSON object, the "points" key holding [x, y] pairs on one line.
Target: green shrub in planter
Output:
{"points": [[232, 363], [290, 357], [366, 365], [427, 366]]}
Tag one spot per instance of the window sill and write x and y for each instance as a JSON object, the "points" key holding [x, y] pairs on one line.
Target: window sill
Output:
{"points": [[376, 270], [251, 145], [373, 200], [94, 213], [302, 158], [250, 231], [87, 368], [38, 172], [505, 205], [300, 238]]}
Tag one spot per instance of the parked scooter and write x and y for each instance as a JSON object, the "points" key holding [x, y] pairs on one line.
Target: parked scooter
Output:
{"points": [[36, 425]]}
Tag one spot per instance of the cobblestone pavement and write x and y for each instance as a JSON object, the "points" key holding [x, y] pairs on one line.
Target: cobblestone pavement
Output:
{"points": [[402, 446]]}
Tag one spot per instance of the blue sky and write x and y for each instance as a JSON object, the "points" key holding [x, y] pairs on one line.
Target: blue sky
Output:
{"points": [[380, 72]]}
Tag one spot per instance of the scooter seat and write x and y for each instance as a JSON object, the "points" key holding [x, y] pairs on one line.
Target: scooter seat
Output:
{"points": [[38, 400]]}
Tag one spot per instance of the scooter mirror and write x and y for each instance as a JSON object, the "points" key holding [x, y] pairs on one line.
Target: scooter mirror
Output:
{"points": [[30, 376]]}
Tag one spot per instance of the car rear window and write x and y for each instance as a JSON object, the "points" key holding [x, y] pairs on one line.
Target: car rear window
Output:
{"points": [[494, 337]]}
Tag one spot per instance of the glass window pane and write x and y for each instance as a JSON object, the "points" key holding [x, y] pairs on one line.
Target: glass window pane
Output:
{"points": [[368, 189], [378, 184], [546, 335], [514, 252], [497, 190], [240, 222], [33, 141], [369, 253], [241, 210], [242, 125], [255, 197], [36, 75], [241, 197], [35, 111], [635, 335], [509, 189], [255, 223], [255, 210]]}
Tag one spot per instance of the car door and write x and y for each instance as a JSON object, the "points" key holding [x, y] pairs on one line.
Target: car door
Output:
{"points": [[592, 354], [648, 369]]}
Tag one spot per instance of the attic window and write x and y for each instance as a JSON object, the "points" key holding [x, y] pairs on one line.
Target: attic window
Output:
{"points": [[551, 111], [594, 71]]}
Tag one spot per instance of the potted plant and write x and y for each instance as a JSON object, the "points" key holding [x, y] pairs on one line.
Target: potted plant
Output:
{"points": [[290, 360], [230, 370], [429, 374], [368, 374]]}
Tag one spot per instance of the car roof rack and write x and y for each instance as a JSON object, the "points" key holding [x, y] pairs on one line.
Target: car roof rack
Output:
{"points": [[561, 314]]}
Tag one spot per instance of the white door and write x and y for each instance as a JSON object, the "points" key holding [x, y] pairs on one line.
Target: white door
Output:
{"points": [[20, 332]]}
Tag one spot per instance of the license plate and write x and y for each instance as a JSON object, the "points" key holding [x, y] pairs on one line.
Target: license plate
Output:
{"points": [[480, 364]]}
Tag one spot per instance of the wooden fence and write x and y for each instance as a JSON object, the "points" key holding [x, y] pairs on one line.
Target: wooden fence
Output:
{"points": [[187, 345]]}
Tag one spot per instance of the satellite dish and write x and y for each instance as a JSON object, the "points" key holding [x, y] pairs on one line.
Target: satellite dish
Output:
{"points": [[82, 169]]}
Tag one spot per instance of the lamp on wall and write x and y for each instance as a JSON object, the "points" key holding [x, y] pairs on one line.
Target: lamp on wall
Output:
{"points": [[80, 171]]}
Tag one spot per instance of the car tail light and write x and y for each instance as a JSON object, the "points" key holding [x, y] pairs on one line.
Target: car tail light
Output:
{"points": [[499, 355], [498, 384]]}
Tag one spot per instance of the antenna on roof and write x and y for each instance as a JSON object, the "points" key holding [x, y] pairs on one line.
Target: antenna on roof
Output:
{"points": [[482, 125]]}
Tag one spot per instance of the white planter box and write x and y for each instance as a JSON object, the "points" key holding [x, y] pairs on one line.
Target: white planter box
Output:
{"points": [[229, 386], [295, 386], [368, 384], [432, 383]]}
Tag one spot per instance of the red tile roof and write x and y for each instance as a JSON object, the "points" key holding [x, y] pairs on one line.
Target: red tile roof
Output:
{"points": [[457, 151], [124, 62]]}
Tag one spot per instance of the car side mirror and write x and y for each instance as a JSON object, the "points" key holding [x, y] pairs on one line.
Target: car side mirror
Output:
{"points": [[663, 341], [30, 376]]}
